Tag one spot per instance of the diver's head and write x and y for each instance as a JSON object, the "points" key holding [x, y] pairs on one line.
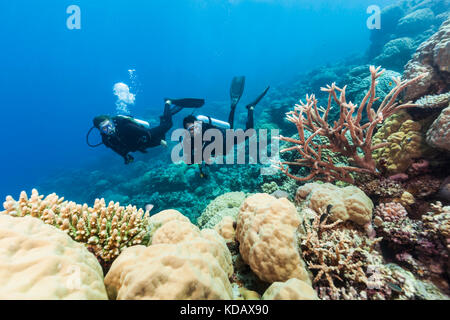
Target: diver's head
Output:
{"points": [[189, 123], [104, 124]]}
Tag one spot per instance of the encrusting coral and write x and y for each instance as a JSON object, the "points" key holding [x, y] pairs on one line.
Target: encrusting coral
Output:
{"points": [[358, 148], [38, 261], [105, 230]]}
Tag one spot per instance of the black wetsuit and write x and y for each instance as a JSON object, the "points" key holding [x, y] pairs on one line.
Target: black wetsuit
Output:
{"points": [[207, 126], [129, 136]]}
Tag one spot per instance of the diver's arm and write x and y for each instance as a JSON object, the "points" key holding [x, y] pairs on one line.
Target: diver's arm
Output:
{"points": [[119, 150]]}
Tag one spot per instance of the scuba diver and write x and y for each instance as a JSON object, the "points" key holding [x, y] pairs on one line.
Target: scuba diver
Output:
{"points": [[196, 123], [125, 134]]}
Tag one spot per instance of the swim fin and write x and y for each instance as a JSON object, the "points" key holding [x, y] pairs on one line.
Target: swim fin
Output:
{"points": [[236, 90], [258, 99], [187, 102]]}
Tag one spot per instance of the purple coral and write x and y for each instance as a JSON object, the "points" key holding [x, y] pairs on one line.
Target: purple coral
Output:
{"points": [[391, 212]]}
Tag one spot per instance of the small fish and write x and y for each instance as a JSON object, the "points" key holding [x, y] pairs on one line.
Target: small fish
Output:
{"points": [[390, 83], [394, 287], [149, 207], [329, 207]]}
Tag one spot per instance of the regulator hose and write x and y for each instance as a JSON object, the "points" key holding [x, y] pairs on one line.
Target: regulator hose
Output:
{"points": [[87, 140]]}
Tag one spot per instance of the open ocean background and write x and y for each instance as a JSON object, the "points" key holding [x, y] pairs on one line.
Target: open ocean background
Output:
{"points": [[53, 80]]}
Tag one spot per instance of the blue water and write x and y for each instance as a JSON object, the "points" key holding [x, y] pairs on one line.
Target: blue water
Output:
{"points": [[53, 80]]}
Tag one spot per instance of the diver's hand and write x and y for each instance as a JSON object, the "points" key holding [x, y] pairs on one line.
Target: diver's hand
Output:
{"points": [[128, 159]]}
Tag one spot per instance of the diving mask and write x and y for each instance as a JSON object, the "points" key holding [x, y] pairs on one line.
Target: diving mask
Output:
{"points": [[195, 128], [107, 127]]}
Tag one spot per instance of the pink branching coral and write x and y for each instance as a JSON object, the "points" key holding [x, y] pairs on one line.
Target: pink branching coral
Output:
{"points": [[307, 116]]}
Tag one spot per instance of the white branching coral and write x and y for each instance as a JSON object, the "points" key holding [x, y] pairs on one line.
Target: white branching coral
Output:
{"points": [[105, 230]]}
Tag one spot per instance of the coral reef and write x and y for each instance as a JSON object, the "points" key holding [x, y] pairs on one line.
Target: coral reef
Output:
{"points": [[293, 289], [348, 203], [436, 101], [343, 260], [194, 267], [433, 59], [225, 205], [105, 230], [38, 261], [406, 24], [381, 188], [403, 143], [227, 228], [361, 134], [234, 243], [266, 234], [419, 245], [438, 135]]}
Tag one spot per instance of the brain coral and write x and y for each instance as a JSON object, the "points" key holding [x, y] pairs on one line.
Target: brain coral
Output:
{"points": [[404, 140], [105, 230], [197, 266], [225, 205], [348, 203], [293, 289], [266, 229], [38, 261]]}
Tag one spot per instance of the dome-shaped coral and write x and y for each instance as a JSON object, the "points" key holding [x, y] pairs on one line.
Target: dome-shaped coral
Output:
{"points": [[266, 229], [38, 261], [196, 267], [348, 203], [293, 289], [405, 142]]}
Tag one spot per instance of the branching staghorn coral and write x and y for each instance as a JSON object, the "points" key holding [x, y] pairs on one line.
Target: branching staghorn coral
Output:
{"points": [[358, 148], [343, 259], [105, 230]]}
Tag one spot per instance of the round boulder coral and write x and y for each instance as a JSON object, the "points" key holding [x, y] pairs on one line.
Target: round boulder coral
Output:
{"points": [[293, 289], [266, 231], [225, 205], [196, 267], [348, 203], [38, 261]]}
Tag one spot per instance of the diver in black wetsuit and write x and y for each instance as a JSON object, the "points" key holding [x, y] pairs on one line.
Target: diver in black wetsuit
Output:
{"points": [[192, 123], [125, 134]]}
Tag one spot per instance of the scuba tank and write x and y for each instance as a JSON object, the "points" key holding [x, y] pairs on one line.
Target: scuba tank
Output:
{"points": [[216, 123]]}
